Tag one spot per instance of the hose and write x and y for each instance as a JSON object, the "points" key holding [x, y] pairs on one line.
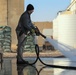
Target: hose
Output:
{"points": [[37, 53], [54, 66]]}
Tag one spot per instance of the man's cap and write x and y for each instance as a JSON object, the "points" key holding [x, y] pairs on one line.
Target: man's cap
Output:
{"points": [[30, 7]]}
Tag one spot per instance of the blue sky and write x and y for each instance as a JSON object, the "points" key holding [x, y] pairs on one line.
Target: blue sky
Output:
{"points": [[46, 10]]}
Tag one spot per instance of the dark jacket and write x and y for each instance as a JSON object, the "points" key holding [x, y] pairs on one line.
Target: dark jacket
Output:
{"points": [[24, 24]]}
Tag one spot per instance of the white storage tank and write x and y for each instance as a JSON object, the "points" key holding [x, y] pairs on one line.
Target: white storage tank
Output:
{"points": [[72, 1], [67, 29], [73, 8], [55, 29]]}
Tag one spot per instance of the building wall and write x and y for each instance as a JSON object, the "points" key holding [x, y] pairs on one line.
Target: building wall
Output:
{"points": [[3, 12], [41, 26], [15, 9], [48, 32], [10, 11]]}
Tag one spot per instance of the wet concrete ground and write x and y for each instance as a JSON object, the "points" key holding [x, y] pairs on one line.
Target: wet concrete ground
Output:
{"points": [[9, 67]]}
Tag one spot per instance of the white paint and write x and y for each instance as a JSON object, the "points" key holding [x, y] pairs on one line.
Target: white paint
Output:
{"points": [[55, 29], [67, 29]]}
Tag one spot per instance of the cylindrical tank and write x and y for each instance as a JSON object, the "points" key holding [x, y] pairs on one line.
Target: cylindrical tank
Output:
{"points": [[72, 1], [73, 7], [67, 29], [55, 29]]}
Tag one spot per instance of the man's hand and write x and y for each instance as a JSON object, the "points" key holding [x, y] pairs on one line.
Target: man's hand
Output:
{"points": [[32, 31], [37, 31]]}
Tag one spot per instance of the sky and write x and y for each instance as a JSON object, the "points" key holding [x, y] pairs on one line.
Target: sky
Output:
{"points": [[46, 10]]}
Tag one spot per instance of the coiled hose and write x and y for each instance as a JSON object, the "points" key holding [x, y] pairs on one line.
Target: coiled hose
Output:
{"points": [[54, 66]]}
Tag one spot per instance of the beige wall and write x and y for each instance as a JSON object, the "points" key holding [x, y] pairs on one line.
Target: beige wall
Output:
{"points": [[10, 11], [15, 9], [3, 12], [41, 26]]}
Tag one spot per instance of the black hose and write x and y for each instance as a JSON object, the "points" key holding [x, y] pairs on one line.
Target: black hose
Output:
{"points": [[54, 66], [37, 53], [42, 35], [49, 65]]}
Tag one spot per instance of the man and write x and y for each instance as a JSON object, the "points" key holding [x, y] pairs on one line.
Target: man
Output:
{"points": [[24, 26]]}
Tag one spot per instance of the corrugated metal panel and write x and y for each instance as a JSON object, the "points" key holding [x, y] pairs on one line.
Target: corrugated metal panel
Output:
{"points": [[55, 29], [67, 29]]}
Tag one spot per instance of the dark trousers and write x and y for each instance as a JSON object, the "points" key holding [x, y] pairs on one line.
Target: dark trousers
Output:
{"points": [[20, 46]]}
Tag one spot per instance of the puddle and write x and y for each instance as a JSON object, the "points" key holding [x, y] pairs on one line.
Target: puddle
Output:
{"points": [[9, 67]]}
